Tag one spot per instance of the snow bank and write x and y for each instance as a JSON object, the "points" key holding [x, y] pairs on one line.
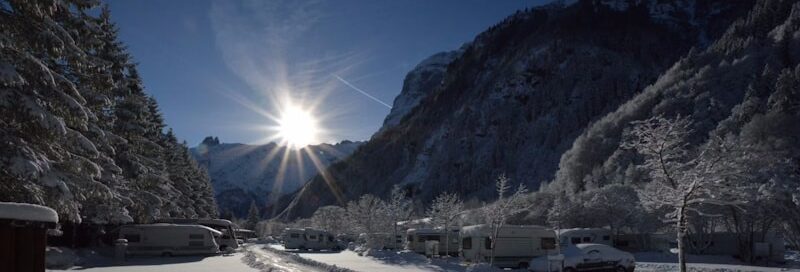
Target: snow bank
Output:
{"points": [[27, 212], [483, 267], [251, 259], [60, 258]]}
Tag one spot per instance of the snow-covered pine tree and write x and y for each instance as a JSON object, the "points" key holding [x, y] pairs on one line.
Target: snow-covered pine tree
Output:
{"points": [[47, 157], [78, 132]]}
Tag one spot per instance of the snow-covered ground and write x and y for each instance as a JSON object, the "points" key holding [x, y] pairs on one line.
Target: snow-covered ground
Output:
{"points": [[260, 257], [231, 262]]}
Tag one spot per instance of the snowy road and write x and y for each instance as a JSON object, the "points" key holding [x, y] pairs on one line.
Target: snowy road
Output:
{"points": [[408, 262]]}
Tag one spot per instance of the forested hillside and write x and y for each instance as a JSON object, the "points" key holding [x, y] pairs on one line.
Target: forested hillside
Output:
{"points": [[79, 133], [520, 94]]}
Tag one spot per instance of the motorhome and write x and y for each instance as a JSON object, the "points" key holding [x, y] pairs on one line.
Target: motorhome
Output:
{"points": [[228, 239], [416, 238], [169, 239], [309, 239], [515, 246], [585, 235]]}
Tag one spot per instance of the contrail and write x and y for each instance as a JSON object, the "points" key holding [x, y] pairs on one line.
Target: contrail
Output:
{"points": [[361, 91]]}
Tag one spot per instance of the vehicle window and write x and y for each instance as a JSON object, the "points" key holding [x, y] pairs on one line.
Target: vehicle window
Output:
{"points": [[606, 237], [548, 243], [621, 243], [294, 235], [488, 243], [575, 240], [466, 243], [587, 239], [132, 238], [196, 236]]}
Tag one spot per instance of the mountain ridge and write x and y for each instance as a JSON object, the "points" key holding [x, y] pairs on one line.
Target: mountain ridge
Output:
{"points": [[519, 95]]}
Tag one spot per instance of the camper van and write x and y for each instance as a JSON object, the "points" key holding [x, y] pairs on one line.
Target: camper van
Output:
{"points": [[416, 238], [228, 239], [515, 247], [309, 239], [585, 236], [169, 239]]}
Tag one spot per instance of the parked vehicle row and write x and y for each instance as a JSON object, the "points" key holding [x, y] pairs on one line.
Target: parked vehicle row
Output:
{"points": [[536, 248]]}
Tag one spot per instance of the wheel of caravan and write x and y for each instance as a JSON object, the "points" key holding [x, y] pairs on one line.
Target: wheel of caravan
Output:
{"points": [[523, 265], [302, 248]]}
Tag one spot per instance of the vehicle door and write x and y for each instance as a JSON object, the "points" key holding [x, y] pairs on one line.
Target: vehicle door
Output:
{"points": [[592, 260]]}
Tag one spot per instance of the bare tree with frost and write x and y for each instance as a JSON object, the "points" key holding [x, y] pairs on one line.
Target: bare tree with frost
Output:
{"points": [[397, 208], [330, 218], [684, 179], [366, 214], [444, 212], [506, 206]]}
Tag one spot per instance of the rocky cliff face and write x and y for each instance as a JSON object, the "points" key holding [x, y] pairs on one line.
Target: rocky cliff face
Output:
{"points": [[242, 173], [518, 97], [425, 77]]}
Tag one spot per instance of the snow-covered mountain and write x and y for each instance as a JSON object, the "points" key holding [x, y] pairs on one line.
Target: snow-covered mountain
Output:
{"points": [[241, 173], [520, 94]]}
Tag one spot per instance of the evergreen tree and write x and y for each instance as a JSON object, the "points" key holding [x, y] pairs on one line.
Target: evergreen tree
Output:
{"points": [[79, 133], [253, 216]]}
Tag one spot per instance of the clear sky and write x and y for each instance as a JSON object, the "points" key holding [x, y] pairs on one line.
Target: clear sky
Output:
{"points": [[222, 68]]}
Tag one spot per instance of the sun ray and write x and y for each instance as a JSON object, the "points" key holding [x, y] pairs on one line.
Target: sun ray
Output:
{"points": [[323, 172]]}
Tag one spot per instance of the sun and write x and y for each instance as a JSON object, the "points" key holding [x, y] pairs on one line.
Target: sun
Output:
{"points": [[297, 127]]}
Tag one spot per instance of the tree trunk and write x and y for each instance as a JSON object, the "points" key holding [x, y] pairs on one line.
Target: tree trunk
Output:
{"points": [[681, 239], [446, 239]]}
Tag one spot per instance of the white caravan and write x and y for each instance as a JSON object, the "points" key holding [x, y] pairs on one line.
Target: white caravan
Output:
{"points": [[584, 236], [309, 239], [169, 239], [515, 247], [416, 238], [228, 239]]}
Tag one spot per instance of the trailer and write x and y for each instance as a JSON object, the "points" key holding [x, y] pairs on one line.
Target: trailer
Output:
{"points": [[585, 235], [309, 239], [227, 241], [169, 239], [516, 244], [416, 239]]}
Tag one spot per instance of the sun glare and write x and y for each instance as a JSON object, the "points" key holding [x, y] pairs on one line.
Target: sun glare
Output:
{"points": [[297, 127]]}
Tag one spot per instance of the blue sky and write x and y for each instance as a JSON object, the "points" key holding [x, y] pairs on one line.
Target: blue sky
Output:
{"points": [[223, 67]]}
